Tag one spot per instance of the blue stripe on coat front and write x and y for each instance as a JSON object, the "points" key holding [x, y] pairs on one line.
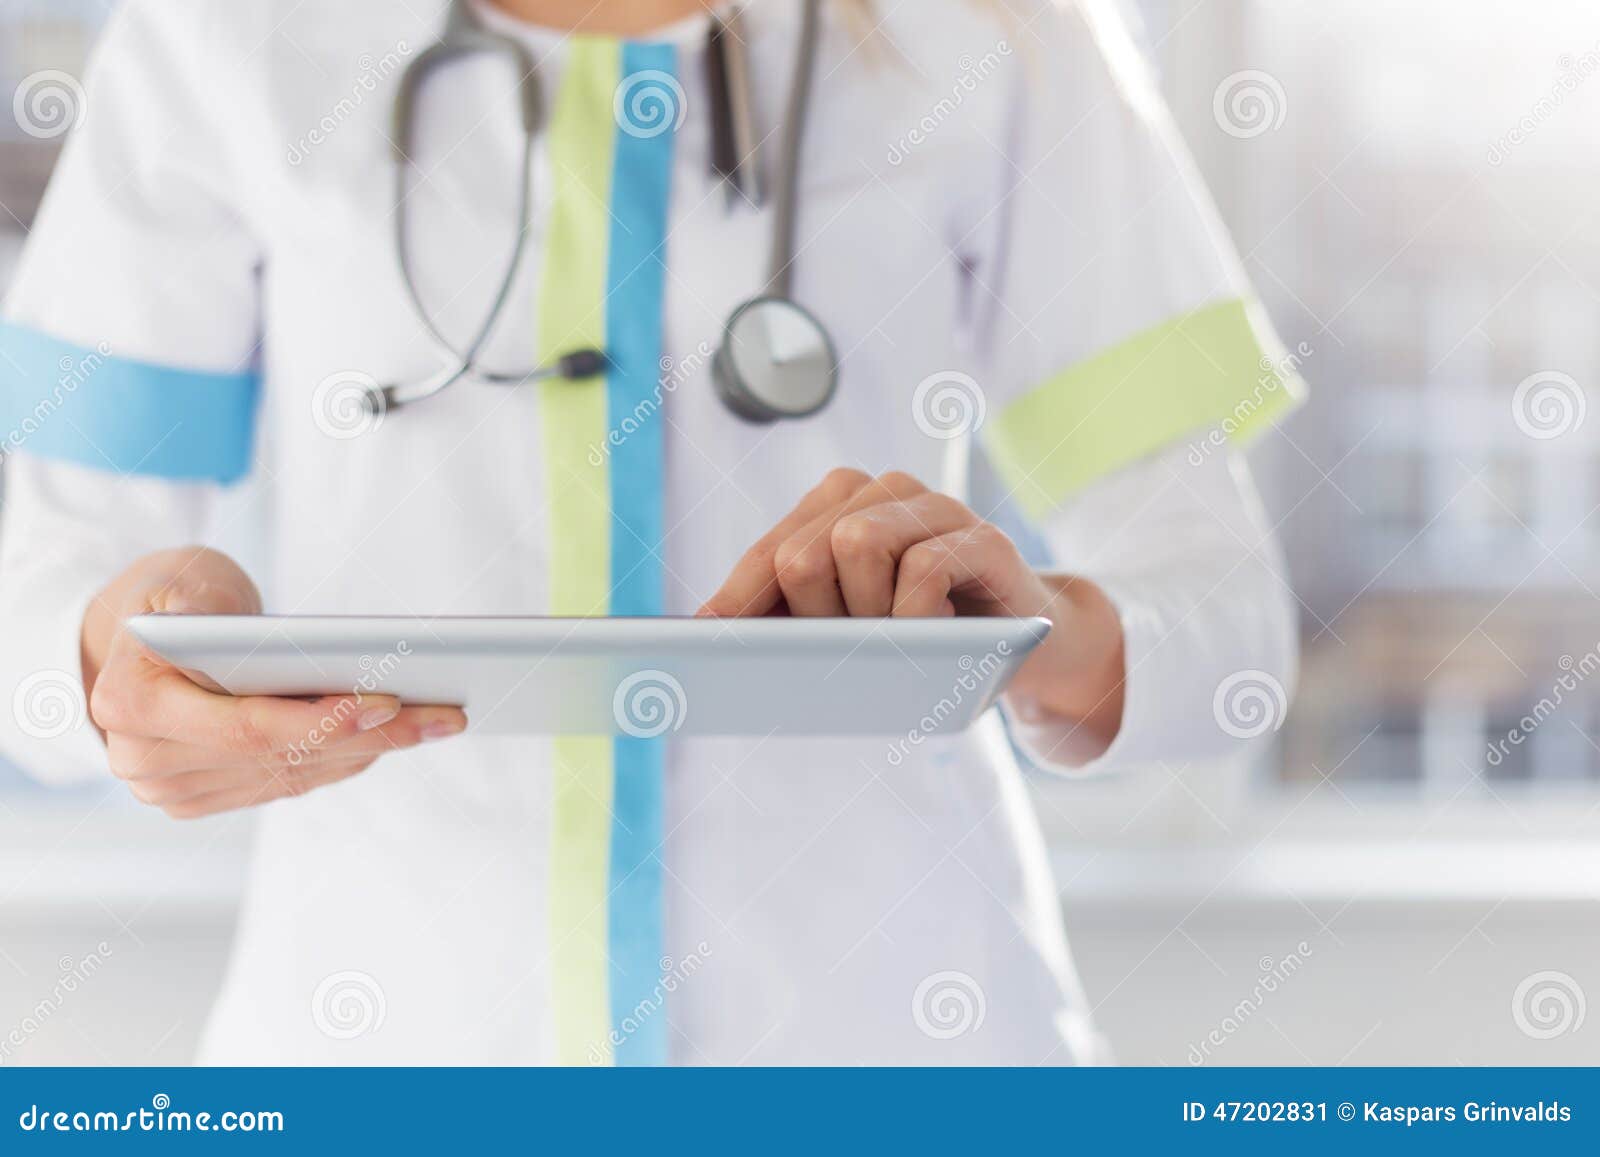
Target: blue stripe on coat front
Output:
{"points": [[640, 184]]}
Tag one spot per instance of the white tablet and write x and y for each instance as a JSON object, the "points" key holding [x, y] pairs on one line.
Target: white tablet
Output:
{"points": [[621, 676]]}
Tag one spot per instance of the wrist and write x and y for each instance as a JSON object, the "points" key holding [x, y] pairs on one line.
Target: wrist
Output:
{"points": [[1077, 674]]}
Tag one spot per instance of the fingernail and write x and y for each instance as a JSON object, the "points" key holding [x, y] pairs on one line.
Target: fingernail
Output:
{"points": [[440, 729], [375, 717]]}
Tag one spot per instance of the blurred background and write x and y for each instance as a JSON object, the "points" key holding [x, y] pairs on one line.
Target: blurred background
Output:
{"points": [[1412, 874]]}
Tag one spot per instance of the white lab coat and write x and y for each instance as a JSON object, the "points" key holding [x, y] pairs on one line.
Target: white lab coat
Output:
{"points": [[839, 906]]}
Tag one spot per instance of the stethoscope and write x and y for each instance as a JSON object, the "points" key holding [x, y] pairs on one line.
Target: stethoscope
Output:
{"points": [[775, 359]]}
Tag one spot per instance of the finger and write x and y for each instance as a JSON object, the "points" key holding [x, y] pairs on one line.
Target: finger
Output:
{"points": [[937, 568], [138, 694], [188, 785], [808, 572], [867, 545], [751, 588], [413, 726], [266, 788], [140, 758]]}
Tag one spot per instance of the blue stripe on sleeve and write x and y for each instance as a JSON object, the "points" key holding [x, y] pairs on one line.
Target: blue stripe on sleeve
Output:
{"points": [[87, 406]]}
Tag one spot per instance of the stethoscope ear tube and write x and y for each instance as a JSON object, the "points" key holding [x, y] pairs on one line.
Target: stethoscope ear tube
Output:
{"points": [[574, 366], [463, 35], [780, 263]]}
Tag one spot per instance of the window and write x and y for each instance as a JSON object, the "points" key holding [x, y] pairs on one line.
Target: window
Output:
{"points": [[1438, 497]]}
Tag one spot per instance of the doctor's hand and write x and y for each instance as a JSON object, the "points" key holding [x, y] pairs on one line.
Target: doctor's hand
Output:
{"points": [[194, 752], [888, 546]]}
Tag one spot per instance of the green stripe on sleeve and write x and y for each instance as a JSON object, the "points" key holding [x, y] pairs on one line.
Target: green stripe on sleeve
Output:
{"points": [[1219, 366]]}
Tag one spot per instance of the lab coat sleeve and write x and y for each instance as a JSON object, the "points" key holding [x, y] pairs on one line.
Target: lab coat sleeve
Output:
{"points": [[128, 338], [1180, 544], [127, 360], [65, 531], [1118, 321]]}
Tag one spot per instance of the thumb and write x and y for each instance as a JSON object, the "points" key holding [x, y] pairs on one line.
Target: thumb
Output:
{"points": [[194, 592], [206, 584], [205, 598]]}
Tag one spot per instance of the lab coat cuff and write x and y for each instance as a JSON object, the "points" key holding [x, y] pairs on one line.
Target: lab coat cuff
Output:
{"points": [[51, 738]]}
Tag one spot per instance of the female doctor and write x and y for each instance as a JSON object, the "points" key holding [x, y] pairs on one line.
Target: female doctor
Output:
{"points": [[554, 307]]}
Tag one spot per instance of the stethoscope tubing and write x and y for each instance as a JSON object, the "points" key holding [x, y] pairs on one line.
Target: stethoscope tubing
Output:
{"points": [[464, 34]]}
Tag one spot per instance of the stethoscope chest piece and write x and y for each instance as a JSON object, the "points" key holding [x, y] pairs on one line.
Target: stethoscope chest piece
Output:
{"points": [[775, 361]]}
